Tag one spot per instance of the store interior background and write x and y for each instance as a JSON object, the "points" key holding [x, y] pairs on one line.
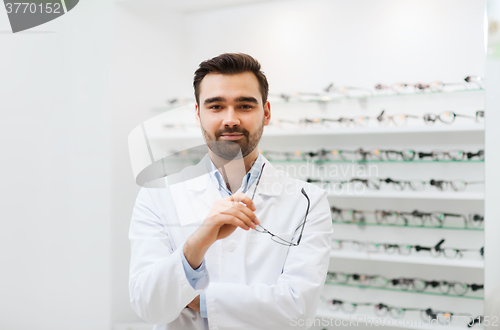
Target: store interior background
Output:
{"points": [[72, 96]]}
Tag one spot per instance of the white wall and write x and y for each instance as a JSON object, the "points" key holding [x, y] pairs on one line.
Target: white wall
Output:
{"points": [[305, 45], [55, 137], [147, 64]]}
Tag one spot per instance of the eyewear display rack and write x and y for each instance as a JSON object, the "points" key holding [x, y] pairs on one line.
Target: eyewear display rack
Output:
{"points": [[464, 134], [467, 135]]}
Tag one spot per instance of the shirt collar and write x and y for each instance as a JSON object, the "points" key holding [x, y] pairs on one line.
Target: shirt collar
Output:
{"points": [[246, 182]]}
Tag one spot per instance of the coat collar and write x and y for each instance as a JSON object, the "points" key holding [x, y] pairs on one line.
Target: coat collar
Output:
{"points": [[270, 183]]}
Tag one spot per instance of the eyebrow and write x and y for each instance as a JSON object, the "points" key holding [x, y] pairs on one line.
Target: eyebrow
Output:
{"points": [[214, 99], [247, 99], [239, 99]]}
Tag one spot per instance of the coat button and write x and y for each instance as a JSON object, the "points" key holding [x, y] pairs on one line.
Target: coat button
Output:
{"points": [[230, 247]]}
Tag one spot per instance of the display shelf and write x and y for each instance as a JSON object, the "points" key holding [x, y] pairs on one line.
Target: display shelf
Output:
{"points": [[319, 162], [348, 161], [399, 290], [362, 224], [376, 161], [407, 323], [441, 195], [411, 259], [374, 95], [320, 131], [330, 98]]}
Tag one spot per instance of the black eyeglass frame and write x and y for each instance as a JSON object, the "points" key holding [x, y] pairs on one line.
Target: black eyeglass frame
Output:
{"points": [[274, 237]]}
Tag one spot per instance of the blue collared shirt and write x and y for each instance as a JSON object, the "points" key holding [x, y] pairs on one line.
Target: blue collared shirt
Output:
{"points": [[195, 275]]}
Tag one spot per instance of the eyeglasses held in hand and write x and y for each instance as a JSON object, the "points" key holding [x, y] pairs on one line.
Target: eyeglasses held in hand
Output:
{"points": [[274, 237]]}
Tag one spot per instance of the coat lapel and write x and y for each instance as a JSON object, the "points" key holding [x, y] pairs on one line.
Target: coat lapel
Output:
{"points": [[194, 192]]}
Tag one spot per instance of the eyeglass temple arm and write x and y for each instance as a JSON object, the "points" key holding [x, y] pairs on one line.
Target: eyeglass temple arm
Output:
{"points": [[471, 154], [305, 217], [438, 245], [258, 180], [379, 117], [467, 116], [453, 215], [425, 154]]}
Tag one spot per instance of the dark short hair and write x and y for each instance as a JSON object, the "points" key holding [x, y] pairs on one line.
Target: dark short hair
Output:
{"points": [[230, 63]]}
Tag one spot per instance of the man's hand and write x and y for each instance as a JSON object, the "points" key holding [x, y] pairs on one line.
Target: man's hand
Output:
{"points": [[195, 304], [226, 215]]}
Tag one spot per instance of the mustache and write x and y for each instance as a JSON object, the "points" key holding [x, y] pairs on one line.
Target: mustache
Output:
{"points": [[231, 131]]}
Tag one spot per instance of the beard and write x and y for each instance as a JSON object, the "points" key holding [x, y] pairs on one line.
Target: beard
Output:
{"points": [[229, 150]]}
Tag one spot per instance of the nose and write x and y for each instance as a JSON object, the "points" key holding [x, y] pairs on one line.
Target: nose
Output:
{"points": [[231, 118]]}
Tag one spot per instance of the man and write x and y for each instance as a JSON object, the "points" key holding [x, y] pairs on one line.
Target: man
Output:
{"points": [[229, 249]]}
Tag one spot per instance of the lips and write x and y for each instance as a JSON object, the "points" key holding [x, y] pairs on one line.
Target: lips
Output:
{"points": [[231, 136]]}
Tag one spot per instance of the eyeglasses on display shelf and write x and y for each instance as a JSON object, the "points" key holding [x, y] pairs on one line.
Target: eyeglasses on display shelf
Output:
{"points": [[458, 155], [456, 185], [402, 283], [360, 121], [428, 315], [274, 237], [348, 91], [435, 86], [372, 155], [415, 185], [405, 249], [459, 288], [392, 155], [399, 119], [338, 184], [347, 307], [448, 117], [376, 183], [415, 218], [348, 215]]}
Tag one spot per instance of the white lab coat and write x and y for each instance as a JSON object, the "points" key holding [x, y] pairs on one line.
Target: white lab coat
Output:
{"points": [[254, 282]]}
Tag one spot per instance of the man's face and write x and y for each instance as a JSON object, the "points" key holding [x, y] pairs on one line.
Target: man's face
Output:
{"points": [[231, 113]]}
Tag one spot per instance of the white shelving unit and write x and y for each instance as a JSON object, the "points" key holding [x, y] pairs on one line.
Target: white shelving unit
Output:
{"points": [[453, 196], [363, 319], [412, 259]]}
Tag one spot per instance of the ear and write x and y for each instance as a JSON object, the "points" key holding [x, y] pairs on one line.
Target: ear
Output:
{"points": [[267, 113], [197, 115]]}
